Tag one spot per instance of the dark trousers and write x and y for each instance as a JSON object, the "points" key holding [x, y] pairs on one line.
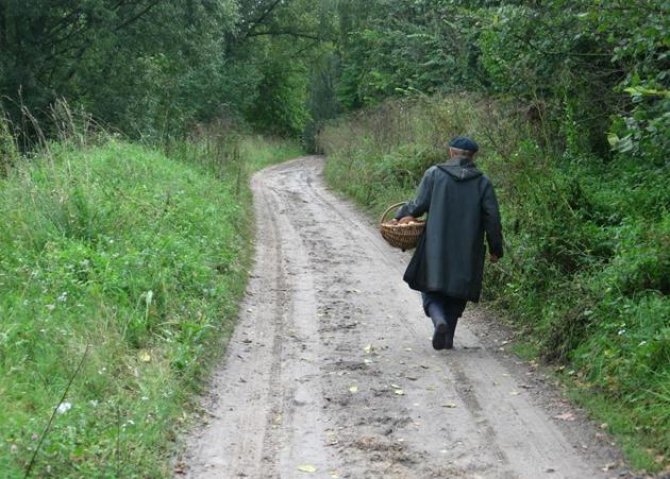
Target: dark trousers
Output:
{"points": [[440, 307]]}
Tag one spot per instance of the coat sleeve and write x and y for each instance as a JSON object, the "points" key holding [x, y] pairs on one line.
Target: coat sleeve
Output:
{"points": [[492, 224], [421, 204]]}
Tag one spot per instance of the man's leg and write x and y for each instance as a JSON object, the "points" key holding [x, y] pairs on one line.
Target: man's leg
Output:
{"points": [[453, 308], [434, 308]]}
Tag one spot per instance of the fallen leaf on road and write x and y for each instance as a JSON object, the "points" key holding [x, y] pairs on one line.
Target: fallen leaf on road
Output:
{"points": [[368, 349], [514, 393], [450, 405], [353, 389], [399, 392], [307, 468]]}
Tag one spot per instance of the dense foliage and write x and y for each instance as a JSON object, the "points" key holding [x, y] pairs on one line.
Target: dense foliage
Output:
{"points": [[143, 66], [572, 65], [153, 68]]}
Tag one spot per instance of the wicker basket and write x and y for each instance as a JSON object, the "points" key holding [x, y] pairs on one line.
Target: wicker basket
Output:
{"points": [[405, 236]]}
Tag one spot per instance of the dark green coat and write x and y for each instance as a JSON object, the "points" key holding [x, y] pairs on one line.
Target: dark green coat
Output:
{"points": [[462, 209]]}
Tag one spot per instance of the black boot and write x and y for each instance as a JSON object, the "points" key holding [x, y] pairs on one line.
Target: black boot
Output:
{"points": [[449, 335], [440, 333]]}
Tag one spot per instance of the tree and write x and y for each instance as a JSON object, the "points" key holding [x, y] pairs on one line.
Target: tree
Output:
{"points": [[124, 61]]}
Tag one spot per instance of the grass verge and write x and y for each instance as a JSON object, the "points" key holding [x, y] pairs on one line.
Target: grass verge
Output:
{"points": [[120, 271]]}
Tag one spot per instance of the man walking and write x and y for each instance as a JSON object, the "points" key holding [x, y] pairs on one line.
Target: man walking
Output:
{"points": [[448, 264]]}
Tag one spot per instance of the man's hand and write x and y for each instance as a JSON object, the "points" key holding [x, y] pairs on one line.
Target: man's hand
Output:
{"points": [[493, 258]]}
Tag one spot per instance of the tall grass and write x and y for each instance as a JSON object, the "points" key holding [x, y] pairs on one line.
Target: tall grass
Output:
{"points": [[9, 150], [586, 274], [120, 271], [379, 155], [229, 153]]}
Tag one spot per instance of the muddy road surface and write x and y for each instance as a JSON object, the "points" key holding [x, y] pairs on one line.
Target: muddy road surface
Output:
{"points": [[331, 373]]}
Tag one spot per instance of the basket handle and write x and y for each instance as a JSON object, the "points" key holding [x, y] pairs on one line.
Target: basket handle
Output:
{"points": [[389, 209]]}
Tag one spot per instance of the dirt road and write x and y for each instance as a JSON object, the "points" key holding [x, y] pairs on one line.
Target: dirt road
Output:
{"points": [[331, 372]]}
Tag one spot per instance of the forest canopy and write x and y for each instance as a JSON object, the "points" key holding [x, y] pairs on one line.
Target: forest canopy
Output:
{"points": [[595, 73]]}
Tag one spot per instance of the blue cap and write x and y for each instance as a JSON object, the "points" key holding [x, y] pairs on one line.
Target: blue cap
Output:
{"points": [[464, 143]]}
